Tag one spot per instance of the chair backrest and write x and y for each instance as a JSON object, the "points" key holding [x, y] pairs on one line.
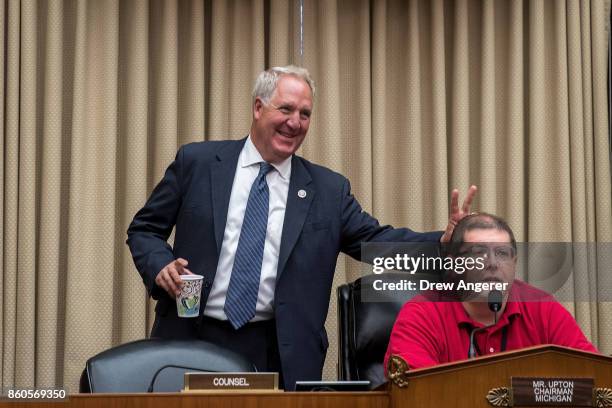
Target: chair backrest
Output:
{"points": [[365, 319], [131, 367]]}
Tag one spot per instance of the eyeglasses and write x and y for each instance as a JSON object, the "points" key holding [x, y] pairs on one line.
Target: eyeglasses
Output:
{"points": [[289, 110], [502, 253]]}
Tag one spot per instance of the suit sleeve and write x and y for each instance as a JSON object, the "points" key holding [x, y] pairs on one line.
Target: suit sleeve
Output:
{"points": [[358, 226], [152, 225]]}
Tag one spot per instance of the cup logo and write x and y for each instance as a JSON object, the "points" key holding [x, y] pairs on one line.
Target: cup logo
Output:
{"points": [[188, 302]]}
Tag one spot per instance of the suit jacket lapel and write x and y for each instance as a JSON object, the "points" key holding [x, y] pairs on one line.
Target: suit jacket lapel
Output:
{"points": [[222, 174], [298, 204]]}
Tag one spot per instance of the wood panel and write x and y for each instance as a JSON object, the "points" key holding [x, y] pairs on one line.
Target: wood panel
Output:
{"points": [[466, 384], [220, 400]]}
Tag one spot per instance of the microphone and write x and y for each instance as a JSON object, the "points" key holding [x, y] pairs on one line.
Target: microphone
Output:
{"points": [[494, 301], [152, 383]]}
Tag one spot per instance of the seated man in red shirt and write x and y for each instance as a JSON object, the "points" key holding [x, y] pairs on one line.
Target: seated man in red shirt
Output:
{"points": [[429, 332]]}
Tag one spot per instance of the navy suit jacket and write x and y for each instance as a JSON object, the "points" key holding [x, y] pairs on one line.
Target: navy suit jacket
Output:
{"points": [[194, 196]]}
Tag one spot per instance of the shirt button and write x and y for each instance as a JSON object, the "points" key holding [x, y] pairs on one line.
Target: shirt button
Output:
{"points": [[491, 350]]}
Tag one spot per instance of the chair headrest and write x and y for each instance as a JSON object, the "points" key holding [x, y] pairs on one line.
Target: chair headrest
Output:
{"points": [[130, 367], [372, 314]]}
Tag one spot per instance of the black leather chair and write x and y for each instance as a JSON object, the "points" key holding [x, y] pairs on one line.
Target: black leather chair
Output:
{"points": [[365, 320], [131, 367]]}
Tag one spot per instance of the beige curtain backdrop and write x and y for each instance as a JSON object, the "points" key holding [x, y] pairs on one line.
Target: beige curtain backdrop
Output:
{"points": [[414, 98]]}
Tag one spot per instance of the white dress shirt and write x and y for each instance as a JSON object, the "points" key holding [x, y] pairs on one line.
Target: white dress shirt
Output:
{"points": [[278, 184]]}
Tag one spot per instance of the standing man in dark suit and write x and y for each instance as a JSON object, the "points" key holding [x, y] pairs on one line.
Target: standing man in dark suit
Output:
{"points": [[264, 227]]}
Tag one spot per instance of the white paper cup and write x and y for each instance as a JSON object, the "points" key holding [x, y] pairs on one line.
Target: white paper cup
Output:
{"points": [[188, 301]]}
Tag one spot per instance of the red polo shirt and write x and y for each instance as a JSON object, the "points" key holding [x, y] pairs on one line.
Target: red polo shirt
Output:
{"points": [[428, 333]]}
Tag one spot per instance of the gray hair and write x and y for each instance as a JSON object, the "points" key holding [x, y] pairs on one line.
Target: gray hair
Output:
{"points": [[266, 82]]}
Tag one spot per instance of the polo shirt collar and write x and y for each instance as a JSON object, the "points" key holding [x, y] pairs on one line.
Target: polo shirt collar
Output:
{"points": [[463, 319]]}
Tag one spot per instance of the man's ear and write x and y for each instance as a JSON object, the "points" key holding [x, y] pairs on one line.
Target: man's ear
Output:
{"points": [[258, 106]]}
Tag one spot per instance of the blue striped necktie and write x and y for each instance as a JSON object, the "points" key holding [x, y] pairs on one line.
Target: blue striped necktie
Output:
{"points": [[241, 297]]}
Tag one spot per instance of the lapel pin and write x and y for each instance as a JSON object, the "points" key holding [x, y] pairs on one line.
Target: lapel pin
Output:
{"points": [[302, 193]]}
